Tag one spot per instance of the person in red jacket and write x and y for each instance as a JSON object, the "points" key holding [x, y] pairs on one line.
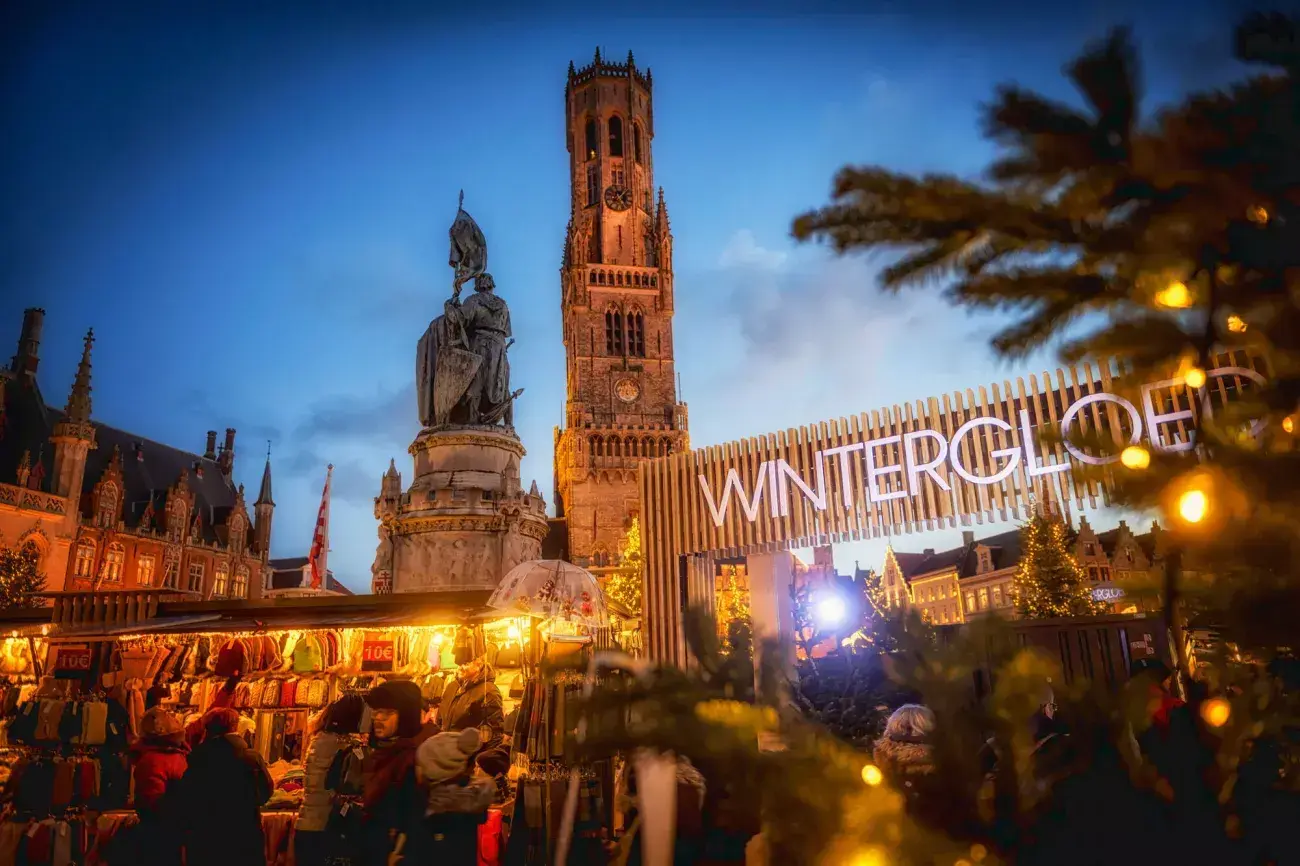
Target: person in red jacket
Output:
{"points": [[160, 758]]}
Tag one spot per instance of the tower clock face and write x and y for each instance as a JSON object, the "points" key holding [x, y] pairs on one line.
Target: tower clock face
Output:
{"points": [[618, 197], [627, 390]]}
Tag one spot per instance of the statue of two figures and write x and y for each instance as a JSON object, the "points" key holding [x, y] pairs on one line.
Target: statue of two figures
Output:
{"points": [[462, 374]]}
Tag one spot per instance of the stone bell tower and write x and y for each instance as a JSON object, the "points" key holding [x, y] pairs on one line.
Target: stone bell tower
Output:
{"points": [[616, 301]]}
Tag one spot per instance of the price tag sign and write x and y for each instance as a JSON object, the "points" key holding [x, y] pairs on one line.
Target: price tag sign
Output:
{"points": [[377, 655], [72, 661]]}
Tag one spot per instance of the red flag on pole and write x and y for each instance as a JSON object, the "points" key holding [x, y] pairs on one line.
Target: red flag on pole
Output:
{"points": [[320, 542]]}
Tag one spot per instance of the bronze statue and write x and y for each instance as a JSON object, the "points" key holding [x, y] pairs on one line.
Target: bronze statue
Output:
{"points": [[462, 374]]}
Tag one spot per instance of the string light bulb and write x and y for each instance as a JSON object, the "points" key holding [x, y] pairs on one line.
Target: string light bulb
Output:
{"points": [[1257, 214], [1236, 324], [1216, 712], [1288, 423], [871, 775], [1194, 377], [1135, 457], [1175, 296], [1193, 505]]}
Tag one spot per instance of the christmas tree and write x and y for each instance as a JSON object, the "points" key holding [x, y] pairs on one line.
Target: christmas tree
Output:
{"points": [[1049, 580], [733, 611], [624, 584], [20, 576]]}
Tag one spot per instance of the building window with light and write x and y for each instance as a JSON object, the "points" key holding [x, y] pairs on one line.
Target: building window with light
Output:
{"points": [[1093, 574], [144, 566], [997, 596], [220, 579], [239, 586], [84, 563], [114, 558], [196, 577], [984, 598], [970, 601]]}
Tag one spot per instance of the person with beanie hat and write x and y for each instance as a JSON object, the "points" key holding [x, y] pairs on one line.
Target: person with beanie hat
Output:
{"points": [[393, 800], [220, 797], [458, 797], [159, 760], [338, 740]]}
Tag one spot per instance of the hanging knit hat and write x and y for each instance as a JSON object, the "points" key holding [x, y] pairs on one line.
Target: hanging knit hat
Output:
{"points": [[446, 756]]}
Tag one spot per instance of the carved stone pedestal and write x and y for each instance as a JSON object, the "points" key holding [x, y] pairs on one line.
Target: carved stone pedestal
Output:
{"points": [[465, 521]]}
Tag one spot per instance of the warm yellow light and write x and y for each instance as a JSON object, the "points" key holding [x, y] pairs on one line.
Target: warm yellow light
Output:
{"points": [[873, 856], [1192, 506], [1288, 423], [1194, 377], [1236, 324], [1257, 214], [1175, 296], [871, 775], [978, 852], [439, 638], [1216, 712], [513, 632], [45, 630], [1135, 457]]}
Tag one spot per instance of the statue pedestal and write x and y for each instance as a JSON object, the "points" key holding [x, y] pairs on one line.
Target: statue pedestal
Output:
{"points": [[465, 521]]}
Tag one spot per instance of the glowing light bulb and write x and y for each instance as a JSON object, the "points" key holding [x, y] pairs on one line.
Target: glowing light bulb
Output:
{"points": [[1135, 457], [1194, 377], [45, 630], [513, 632], [439, 638], [1175, 296], [1216, 712], [1236, 324], [1288, 423], [1257, 214], [873, 856], [1193, 505], [831, 611], [871, 775]]}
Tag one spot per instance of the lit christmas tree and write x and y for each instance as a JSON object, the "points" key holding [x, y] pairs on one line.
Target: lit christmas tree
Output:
{"points": [[733, 612], [20, 575], [624, 584], [1049, 580]]}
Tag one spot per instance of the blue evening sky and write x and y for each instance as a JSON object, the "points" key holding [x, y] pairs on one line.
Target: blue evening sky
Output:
{"points": [[250, 204]]}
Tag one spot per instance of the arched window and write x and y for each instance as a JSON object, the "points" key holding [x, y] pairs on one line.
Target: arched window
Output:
{"points": [[593, 184], [613, 332], [239, 587], [114, 558], [84, 563], [220, 579], [593, 245], [636, 143], [594, 444], [629, 447], [593, 138], [106, 512], [635, 334], [615, 136]]}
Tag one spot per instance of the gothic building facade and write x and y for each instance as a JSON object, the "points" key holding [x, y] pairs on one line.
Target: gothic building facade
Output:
{"points": [[616, 299], [108, 510]]}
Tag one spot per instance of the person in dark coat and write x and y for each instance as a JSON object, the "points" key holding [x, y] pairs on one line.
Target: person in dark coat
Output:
{"points": [[474, 701], [219, 798], [317, 833], [393, 799], [458, 796]]}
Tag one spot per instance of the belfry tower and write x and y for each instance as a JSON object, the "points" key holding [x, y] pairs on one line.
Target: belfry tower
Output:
{"points": [[616, 300]]}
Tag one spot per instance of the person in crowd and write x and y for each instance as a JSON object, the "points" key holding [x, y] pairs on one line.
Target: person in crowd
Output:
{"points": [[225, 697], [904, 753], [473, 700], [458, 795], [159, 760], [219, 798], [339, 732], [393, 800]]}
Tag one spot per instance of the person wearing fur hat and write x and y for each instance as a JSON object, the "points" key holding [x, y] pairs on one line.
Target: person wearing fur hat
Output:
{"points": [[905, 754], [219, 799], [458, 796], [393, 800]]}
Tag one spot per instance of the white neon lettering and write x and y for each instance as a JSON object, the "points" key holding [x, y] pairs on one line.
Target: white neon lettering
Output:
{"points": [[846, 477], [749, 505], [1134, 416], [915, 469], [786, 475], [954, 451], [1258, 426], [874, 470], [1154, 420], [1027, 438]]}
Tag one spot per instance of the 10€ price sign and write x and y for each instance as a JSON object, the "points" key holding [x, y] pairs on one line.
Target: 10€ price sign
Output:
{"points": [[377, 655]]}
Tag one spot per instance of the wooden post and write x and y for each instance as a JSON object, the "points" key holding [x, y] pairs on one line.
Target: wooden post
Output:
{"points": [[771, 610]]}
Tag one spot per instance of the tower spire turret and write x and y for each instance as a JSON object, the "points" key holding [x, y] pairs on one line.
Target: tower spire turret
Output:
{"points": [[78, 408]]}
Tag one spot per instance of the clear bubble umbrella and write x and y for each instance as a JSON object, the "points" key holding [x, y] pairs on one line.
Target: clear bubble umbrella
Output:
{"points": [[551, 589]]}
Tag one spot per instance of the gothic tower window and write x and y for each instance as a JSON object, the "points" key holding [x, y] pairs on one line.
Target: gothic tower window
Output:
{"points": [[615, 136], [239, 587], [593, 247], [635, 334], [106, 512], [144, 568], [220, 578], [593, 139], [594, 444], [84, 563], [636, 145], [613, 332], [114, 557], [593, 184]]}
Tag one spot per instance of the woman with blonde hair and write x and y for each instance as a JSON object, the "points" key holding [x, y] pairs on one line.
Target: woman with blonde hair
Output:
{"points": [[904, 753]]}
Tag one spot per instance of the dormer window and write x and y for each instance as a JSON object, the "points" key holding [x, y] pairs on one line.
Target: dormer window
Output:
{"points": [[985, 560], [106, 512]]}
